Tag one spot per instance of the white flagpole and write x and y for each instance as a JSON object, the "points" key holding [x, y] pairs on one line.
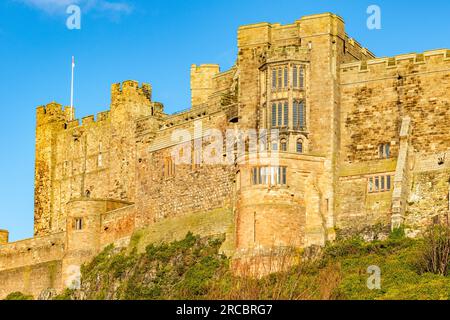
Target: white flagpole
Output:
{"points": [[71, 89]]}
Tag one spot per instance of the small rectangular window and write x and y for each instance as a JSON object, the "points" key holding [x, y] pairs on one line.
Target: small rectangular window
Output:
{"points": [[269, 176], [100, 160], [370, 184], [283, 176], [275, 146], [78, 224], [384, 151], [255, 176], [379, 184]]}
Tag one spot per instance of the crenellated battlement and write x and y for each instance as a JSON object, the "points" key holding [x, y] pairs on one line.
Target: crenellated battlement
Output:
{"points": [[392, 66], [131, 88], [53, 112], [260, 34]]}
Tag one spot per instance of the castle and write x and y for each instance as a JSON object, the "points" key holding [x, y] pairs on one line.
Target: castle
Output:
{"points": [[360, 142]]}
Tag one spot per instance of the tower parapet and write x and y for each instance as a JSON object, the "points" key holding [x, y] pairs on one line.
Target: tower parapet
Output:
{"points": [[53, 112], [131, 88], [4, 237], [50, 120], [202, 84], [130, 101]]}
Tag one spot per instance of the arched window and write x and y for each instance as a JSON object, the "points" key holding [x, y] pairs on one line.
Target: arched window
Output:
{"points": [[274, 145], [283, 145], [299, 146]]}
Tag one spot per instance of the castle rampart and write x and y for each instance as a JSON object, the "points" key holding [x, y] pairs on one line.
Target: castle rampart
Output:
{"points": [[362, 147]]}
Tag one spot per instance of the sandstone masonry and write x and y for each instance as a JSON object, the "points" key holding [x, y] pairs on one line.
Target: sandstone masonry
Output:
{"points": [[362, 142]]}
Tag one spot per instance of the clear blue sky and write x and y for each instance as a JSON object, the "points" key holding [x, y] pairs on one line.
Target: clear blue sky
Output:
{"points": [[156, 42]]}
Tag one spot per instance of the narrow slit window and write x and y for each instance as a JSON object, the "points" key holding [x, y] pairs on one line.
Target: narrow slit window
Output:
{"points": [[280, 114], [295, 114], [286, 77], [377, 184], [302, 119], [286, 114], [255, 176], [78, 224], [384, 151], [274, 115], [302, 77], [274, 79], [371, 184], [280, 78], [283, 176], [295, 77]]}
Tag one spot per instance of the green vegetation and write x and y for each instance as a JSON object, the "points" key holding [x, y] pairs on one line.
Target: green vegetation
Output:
{"points": [[193, 268], [18, 296]]}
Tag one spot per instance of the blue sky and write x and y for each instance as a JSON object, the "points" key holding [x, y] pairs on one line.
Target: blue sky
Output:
{"points": [[155, 42]]}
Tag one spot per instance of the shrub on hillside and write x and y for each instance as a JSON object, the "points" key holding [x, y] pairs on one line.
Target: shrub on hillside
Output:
{"points": [[435, 257]]}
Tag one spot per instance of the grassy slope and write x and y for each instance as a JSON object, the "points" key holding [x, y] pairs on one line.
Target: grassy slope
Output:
{"points": [[193, 269]]}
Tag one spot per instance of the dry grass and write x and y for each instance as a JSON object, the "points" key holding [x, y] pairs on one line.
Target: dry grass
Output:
{"points": [[436, 251]]}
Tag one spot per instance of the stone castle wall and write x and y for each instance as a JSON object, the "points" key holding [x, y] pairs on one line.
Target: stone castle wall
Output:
{"points": [[114, 175], [376, 95]]}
